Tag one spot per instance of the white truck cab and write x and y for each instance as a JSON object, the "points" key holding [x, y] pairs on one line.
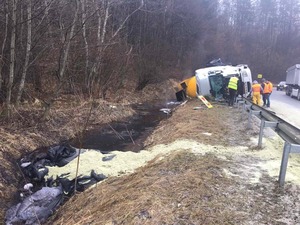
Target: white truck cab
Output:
{"points": [[213, 81]]}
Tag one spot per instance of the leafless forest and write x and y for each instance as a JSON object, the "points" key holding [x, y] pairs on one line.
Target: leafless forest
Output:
{"points": [[87, 47]]}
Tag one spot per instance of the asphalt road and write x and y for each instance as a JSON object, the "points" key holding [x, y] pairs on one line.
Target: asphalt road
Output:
{"points": [[285, 107]]}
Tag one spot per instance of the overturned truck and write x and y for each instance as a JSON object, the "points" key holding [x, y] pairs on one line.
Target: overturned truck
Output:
{"points": [[213, 81]]}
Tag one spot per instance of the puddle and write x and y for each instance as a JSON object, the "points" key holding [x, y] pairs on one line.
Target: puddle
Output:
{"points": [[128, 135]]}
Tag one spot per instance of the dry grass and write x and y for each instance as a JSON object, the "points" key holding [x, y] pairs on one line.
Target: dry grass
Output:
{"points": [[183, 189], [180, 189], [27, 132], [219, 125]]}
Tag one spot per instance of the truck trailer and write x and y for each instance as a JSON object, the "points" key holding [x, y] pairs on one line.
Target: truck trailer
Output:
{"points": [[293, 81]]}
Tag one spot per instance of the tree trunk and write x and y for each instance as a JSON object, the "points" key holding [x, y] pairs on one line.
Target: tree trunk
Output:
{"points": [[68, 43], [4, 43], [86, 45], [62, 63], [28, 48], [12, 58], [100, 40]]}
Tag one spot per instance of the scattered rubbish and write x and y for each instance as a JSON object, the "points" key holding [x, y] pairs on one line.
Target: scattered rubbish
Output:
{"points": [[37, 169], [28, 186], [62, 154], [41, 197], [23, 165], [206, 133], [197, 108], [144, 214], [183, 103], [173, 103], [108, 158], [166, 110], [82, 182], [216, 62], [34, 167]]}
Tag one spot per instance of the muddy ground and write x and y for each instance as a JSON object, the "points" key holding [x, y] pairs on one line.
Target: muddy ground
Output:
{"points": [[206, 170]]}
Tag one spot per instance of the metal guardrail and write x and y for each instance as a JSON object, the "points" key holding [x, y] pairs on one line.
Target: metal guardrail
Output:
{"points": [[285, 130], [288, 132]]}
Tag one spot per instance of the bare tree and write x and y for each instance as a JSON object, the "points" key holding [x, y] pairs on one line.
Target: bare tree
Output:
{"points": [[105, 40], [101, 32], [27, 54], [95, 45], [12, 57], [86, 45], [63, 60], [4, 42]]}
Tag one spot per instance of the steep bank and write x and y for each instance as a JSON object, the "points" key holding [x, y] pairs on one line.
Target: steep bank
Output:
{"points": [[26, 132]]}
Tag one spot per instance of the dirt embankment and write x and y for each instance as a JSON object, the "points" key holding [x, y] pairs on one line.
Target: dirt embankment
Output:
{"points": [[68, 117], [207, 171]]}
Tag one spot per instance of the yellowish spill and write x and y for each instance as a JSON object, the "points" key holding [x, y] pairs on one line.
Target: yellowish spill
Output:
{"points": [[254, 162]]}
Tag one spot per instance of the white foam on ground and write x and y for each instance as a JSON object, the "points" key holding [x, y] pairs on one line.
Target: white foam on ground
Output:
{"points": [[266, 160]]}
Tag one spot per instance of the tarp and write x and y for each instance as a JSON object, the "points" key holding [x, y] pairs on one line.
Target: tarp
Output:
{"points": [[35, 208], [36, 205]]}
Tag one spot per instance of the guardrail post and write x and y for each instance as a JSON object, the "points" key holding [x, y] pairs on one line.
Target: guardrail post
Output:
{"points": [[237, 99], [240, 102], [264, 124], [246, 107], [261, 132], [252, 112], [288, 148], [284, 162]]}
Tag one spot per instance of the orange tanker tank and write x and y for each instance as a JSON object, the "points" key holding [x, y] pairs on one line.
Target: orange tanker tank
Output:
{"points": [[189, 86]]}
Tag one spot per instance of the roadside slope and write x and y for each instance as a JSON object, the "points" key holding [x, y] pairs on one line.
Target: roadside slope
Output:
{"points": [[69, 116], [208, 171]]}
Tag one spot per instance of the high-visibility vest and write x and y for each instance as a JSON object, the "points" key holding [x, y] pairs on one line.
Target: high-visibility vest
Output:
{"points": [[268, 88], [233, 83], [256, 88]]}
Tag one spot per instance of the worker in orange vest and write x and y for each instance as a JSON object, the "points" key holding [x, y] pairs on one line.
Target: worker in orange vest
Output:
{"points": [[267, 91], [256, 93]]}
